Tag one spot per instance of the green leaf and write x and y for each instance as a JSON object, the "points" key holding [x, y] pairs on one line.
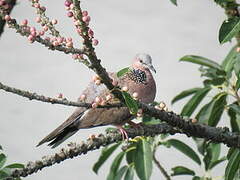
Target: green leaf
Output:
{"points": [[3, 160], [130, 102], [235, 108], [185, 149], [115, 165], [230, 152], [181, 170], [150, 120], [122, 72], [184, 94], [201, 143], [237, 68], [174, 2], [130, 155], [237, 86], [215, 163], [121, 172], [196, 178], [229, 60], [192, 104], [229, 29], [14, 165], [3, 174], [143, 160], [233, 165], [106, 152], [213, 152], [211, 112], [1, 147], [129, 174], [201, 61], [233, 113]]}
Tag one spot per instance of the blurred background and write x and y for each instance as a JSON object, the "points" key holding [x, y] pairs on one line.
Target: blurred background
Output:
{"points": [[123, 29]]}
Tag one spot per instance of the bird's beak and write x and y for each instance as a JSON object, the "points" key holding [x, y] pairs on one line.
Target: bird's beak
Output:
{"points": [[152, 68]]}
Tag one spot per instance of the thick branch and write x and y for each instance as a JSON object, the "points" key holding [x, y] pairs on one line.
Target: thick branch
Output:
{"points": [[91, 144]]}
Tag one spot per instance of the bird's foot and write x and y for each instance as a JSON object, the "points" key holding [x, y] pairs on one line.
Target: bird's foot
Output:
{"points": [[123, 132]]}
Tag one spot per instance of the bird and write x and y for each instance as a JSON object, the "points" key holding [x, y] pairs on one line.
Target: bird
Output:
{"points": [[137, 81]]}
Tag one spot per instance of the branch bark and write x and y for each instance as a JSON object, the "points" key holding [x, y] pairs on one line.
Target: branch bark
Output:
{"points": [[93, 143], [35, 96], [9, 4]]}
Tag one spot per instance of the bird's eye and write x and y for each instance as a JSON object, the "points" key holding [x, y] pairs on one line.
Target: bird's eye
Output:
{"points": [[141, 61]]}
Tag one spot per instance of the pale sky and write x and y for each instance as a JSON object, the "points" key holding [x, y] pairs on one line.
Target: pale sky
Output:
{"points": [[123, 28]]}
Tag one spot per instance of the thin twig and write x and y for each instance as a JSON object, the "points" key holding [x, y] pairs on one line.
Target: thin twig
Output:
{"points": [[35, 96], [160, 167], [10, 4]]}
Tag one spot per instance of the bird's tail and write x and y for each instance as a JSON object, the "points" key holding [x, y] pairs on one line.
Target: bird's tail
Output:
{"points": [[63, 132]]}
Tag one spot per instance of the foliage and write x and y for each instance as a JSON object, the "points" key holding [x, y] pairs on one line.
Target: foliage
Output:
{"points": [[6, 170], [218, 94]]}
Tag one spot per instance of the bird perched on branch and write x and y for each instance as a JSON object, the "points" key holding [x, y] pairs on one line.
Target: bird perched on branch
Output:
{"points": [[139, 83]]}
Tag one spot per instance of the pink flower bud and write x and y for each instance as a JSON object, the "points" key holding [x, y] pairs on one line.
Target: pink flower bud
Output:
{"points": [[84, 13], [67, 3], [114, 82], [33, 33], [103, 103], [98, 100], [32, 29], [86, 18], [71, 6], [70, 14], [69, 39], [94, 105], [79, 30], [135, 95], [45, 28], [82, 97], [41, 33], [69, 44], [38, 19], [74, 56], [7, 17], [54, 21], [90, 32], [108, 97], [97, 82], [95, 42], [30, 38], [55, 43], [36, 5], [43, 8], [125, 88], [24, 22], [60, 95]]}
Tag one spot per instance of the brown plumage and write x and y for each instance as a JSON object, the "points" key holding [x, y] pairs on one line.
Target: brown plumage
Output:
{"points": [[139, 79]]}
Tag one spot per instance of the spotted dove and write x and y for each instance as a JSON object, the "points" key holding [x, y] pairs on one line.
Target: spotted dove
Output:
{"points": [[138, 80]]}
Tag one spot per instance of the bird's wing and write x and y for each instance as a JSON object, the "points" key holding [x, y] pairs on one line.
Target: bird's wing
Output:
{"points": [[76, 120]]}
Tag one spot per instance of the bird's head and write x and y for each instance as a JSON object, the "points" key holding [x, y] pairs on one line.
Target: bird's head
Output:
{"points": [[143, 61]]}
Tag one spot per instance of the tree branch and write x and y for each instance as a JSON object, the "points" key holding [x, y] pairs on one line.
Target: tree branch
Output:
{"points": [[93, 143], [9, 5], [34, 96]]}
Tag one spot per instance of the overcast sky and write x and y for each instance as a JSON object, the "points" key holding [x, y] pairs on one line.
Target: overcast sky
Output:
{"points": [[123, 28]]}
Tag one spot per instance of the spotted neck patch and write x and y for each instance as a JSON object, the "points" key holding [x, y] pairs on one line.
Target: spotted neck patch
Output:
{"points": [[137, 75]]}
